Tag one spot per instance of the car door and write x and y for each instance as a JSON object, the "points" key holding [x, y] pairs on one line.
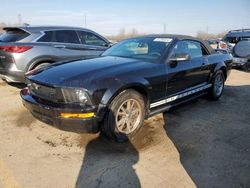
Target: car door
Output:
{"points": [[186, 74], [66, 44], [93, 45], [63, 44], [70, 44]]}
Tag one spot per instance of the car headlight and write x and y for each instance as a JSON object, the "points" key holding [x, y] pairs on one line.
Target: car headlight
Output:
{"points": [[72, 95]]}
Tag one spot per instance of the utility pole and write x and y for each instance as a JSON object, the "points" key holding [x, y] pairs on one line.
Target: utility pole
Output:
{"points": [[164, 28], [85, 20], [207, 29], [19, 18]]}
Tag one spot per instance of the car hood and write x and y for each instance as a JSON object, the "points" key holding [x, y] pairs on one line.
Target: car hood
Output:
{"points": [[78, 73]]}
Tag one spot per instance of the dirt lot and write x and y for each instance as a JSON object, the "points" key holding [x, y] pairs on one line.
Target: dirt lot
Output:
{"points": [[201, 144]]}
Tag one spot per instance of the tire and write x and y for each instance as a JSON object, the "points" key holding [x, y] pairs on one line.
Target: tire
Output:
{"points": [[41, 65], [217, 88], [246, 67], [124, 117]]}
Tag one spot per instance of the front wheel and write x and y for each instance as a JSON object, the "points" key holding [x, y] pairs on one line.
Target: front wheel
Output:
{"points": [[217, 86], [125, 116], [246, 66]]}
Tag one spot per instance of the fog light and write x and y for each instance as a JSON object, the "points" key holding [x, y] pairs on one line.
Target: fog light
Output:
{"points": [[75, 115]]}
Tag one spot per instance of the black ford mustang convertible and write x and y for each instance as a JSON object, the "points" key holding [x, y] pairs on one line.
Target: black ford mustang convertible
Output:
{"points": [[129, 82]]}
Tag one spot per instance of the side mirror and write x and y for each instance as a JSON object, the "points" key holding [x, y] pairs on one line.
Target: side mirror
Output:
{"points": [[110, 44], [173, 60], [107, 44]]}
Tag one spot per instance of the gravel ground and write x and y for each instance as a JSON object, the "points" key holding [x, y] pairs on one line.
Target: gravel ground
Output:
{"points": [[201, 144]]}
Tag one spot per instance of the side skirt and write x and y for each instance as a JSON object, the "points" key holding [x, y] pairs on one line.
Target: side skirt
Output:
{"points": [[167, 107], [166, 104]]}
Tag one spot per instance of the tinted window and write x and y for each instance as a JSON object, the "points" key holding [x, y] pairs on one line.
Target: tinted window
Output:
{"points": [[192, 48], [66, 36], [245, 38], [13, 35], [47, 37], [91, 39], [62, 36], [232, 40]]}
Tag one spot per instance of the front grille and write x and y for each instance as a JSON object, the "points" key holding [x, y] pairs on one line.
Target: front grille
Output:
{"points": [[43, 92]]}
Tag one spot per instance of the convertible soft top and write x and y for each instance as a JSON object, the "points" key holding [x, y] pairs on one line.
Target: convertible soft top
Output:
{"points": [[182, 37]]}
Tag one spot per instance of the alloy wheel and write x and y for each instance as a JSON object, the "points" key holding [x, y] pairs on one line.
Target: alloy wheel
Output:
{"points": [[128, 116], [218, 84]]}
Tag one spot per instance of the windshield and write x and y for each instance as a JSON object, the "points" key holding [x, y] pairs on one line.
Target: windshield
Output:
{"points": [[13, 35], [149, 48]]}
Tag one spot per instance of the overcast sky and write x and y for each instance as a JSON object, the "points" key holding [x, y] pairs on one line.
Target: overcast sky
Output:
{"points": [[147, 16]]}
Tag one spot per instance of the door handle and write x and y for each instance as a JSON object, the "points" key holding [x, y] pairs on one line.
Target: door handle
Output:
{"points": [[92, 48], [59, 46]]}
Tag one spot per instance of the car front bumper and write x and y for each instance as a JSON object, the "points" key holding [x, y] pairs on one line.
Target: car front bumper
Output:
{"points": [[52, 116]]}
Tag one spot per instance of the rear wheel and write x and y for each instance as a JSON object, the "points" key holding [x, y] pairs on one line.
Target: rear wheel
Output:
{"points": [[125, 116], [217, 86], [41, 65]]}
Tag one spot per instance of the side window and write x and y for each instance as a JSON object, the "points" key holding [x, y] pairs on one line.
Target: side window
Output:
{"points": [[91, 39], [47, 37], [193, 48], [204, 51], [245, 38], [66, 36]]}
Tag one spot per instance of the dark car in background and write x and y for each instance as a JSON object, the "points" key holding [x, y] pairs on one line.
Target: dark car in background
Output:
{"points": [[233, 37], [25, 48], [131, 81], [241, 53], [230, 43]]}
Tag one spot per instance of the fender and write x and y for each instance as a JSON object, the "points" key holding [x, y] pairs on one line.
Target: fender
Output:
{"points": [[220, 66], [41, 59], [119, 85]]}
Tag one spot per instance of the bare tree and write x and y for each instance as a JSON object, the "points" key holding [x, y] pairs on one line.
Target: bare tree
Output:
{"points": [[2, 25], [134, 32], [204, 35], [123, 34]]}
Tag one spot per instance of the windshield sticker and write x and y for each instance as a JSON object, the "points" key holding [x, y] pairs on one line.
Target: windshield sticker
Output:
{"points": [[163, 40]]}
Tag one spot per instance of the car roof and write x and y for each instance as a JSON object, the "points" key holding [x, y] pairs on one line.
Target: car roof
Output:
{"points": [[238, 33], [31, 29], [176, 36], [180, 37]]}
